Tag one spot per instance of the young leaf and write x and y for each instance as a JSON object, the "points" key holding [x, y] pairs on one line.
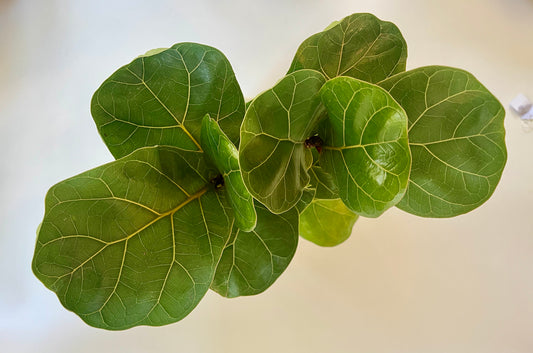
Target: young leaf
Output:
{"points": [[252, 261], [360, 46], [365, 145], [133, 242], [457, 140], [327, 222], [222, 152], [273, 159], [161, 98]]}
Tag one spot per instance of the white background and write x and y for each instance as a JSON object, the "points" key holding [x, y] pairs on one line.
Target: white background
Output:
{"points": [[399, 284]]}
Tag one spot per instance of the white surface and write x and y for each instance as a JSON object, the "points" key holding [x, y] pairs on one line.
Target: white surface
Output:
{"points": [[399, 284]]}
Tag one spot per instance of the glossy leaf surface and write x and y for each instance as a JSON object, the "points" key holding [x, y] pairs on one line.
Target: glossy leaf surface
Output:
{"points": [[252, 261], [273, 159], [223, 154], [365, 145], [327, 222], [133, 242], [360, 46], [456, 136], [160, 99]]}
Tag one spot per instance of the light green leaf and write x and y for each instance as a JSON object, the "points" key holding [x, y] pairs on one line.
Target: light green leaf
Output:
{"points": [[222, 152], [160, 99], [360, 46], [327, 222], [457, 140], [252, 261], [133, 242], [273, 159], [365, 145]]}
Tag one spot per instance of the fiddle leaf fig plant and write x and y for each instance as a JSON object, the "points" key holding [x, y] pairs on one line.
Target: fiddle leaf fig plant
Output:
{"points": [[208, 192]]}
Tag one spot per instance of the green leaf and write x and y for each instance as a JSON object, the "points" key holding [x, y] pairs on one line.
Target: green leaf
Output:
{"points": [[457, 140], [273, 159], [365, 145], [252, 261], [160, 99], [323, 183], [307, 197], [360, 46], [222, 152], [133, 242], [327, 222]]}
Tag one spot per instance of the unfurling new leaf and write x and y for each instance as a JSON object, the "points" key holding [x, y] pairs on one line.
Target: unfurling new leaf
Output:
{"points": [[222, 152]]}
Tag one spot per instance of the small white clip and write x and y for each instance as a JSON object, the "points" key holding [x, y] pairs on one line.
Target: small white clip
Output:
{"points": [[524, 109]]}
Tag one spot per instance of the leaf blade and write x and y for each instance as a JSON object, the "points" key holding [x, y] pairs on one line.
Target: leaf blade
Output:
{"points": [[365, 145], [359, 46], [457, 139], [327, 222], [273, 159], [252, 261], [134, 242], [160, 99]]}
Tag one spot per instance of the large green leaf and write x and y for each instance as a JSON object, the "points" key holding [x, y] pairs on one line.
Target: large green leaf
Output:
{"points": [[365, 145], [252, 261], [273, 158], [160, 99], [360, 46], [456, 136], [135, 241], [327, 222], [222, 152]]}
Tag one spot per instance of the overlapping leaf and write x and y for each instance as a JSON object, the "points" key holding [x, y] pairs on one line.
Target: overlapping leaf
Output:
{"points": [[252, 261], [160, 99], [327, 222], [456, 136], [273, 159], [360, 46], [133, 242], [325, 186], [222, 152], [365, 145]]}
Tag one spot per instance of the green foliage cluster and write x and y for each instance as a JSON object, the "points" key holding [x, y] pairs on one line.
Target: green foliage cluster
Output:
{"points": [[208, 192]]}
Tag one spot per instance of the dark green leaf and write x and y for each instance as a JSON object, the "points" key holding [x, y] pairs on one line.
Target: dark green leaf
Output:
{"points": [[252, 261], [365, 145], [327, 222], [160, 99], [221, 151], [360, 46], [133, 242], [457, 140], [273, 159]]}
